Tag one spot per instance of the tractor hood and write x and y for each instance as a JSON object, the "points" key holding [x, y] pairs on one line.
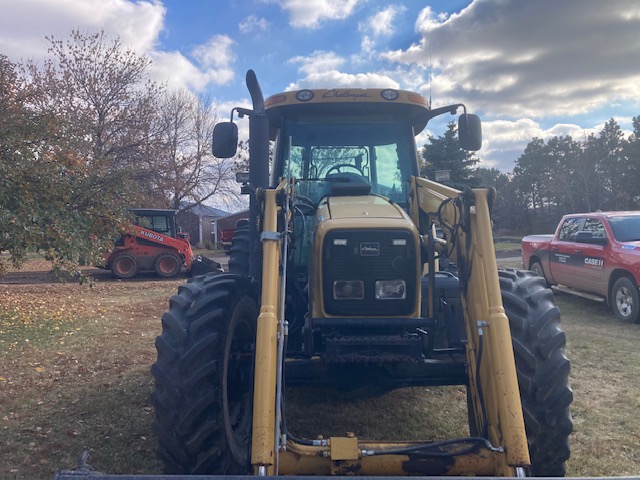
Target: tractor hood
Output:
{"points": [[362, 206], [356, 212]]}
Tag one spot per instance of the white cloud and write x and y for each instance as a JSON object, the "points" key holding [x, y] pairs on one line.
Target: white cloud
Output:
{"points": [[321, 70], [336, 79], [253, 23], [215, 59], [311, 13], [381, 23], [428, 20], [543, 58], [136, 23], [319, 61], [367, 46], [217, 52], [177, 71]]}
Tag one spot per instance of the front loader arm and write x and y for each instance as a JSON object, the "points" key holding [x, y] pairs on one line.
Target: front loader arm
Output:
{"points": [[492, 378], [270, 332], [465, 217]]}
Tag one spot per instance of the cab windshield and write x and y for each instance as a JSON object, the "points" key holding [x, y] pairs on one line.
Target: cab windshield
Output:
{"points": [[626, 228], [347, 157]]}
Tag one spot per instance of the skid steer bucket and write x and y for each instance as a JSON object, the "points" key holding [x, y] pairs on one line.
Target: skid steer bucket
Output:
{"points": [[202, 265]]}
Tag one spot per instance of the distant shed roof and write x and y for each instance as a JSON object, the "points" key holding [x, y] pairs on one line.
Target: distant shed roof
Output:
{"points": [[203, 210]]}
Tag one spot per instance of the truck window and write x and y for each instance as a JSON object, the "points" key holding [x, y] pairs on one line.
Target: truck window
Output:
{"points": [[569, 228], [594, 226]]}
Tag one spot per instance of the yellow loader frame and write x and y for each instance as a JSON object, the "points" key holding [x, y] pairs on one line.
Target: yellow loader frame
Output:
{"points": [[497, 406]]}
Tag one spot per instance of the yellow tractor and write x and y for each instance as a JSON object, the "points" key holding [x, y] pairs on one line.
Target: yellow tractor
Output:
{"points": [[336, 279]]}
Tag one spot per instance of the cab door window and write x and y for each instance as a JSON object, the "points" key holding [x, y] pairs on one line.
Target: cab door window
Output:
{"points": [[594, 226], [569, 229]]}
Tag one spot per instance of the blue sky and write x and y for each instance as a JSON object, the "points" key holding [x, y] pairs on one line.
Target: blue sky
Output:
{"points": [[529, 68]]}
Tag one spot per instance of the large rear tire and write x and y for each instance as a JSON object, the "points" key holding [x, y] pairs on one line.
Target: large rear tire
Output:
{"points": [[204, 377], [542, 368], [239, 251]]}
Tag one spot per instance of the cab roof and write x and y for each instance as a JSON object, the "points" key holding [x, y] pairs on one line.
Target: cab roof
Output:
{"points": [[351, 101]]}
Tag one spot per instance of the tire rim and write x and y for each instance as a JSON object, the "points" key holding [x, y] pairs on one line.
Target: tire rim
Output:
{"points": [[624, 301], [167, 265], [125, 266]]}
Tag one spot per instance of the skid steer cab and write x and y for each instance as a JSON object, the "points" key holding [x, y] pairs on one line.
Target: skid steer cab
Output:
{"points": [[335, 281], [157, 245]]}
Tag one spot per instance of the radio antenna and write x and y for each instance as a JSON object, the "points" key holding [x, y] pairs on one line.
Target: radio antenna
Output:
{"points": [[430, 70]]}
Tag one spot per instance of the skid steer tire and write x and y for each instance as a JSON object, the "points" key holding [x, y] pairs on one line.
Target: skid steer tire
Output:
{"points": [[167, 265], [124, 266], [239, 251], [542, 369], [204, 377]]}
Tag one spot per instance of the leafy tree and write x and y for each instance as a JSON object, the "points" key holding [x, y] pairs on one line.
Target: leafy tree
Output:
{"points": [[531, 173], [486, 177], [444, 153], [566, 181], [101, 95], [185, 168], [609, 147], [509, 210], [75, 136], [50, 201], [631, 152]]}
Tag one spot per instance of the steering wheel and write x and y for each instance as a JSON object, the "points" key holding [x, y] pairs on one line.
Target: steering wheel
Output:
{"points": [[337, 168]]}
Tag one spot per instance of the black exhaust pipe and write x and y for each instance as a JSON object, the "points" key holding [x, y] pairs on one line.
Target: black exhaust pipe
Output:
{"points": [[258, 165]]}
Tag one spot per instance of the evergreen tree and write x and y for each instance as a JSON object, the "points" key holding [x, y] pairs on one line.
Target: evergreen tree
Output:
{"points": [[444, 153]]}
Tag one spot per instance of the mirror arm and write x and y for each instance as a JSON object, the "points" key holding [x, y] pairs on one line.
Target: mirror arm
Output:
{"points": [[451, 109]]}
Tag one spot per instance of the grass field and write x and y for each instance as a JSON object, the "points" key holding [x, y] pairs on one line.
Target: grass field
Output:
{"points": [[74, 376]]}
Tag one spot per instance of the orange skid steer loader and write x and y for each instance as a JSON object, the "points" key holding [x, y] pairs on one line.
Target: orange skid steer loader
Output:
{"points": [[157, 245], [335, 280]]}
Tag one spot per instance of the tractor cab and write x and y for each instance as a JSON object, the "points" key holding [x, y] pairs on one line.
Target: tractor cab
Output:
{"points": [[347, 142]]}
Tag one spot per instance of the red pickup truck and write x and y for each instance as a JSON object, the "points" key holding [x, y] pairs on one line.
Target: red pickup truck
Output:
{"points": [[593, 254]]}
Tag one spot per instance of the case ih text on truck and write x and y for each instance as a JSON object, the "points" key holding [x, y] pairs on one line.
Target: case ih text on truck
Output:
{"points": [[596, 255]]}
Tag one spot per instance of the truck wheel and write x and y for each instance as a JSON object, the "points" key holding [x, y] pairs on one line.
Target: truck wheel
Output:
{"points": [[204, 377], [625, 301], [542, 369], [168, 265], [239, 251], [536, 267], [124, 266]]}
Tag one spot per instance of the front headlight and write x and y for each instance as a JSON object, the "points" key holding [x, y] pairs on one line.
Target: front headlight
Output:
{"points": [[391, 289], [348, 290]]}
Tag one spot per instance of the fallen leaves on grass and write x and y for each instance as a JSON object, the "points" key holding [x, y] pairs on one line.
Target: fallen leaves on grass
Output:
{"points": [[44, 305]]}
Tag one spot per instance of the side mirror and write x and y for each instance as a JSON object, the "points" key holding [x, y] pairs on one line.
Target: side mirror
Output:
{"points": [[470, 132], [225, 139]]}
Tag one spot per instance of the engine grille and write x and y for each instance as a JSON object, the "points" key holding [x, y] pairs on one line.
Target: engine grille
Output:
{"points": [[369, 255]]}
